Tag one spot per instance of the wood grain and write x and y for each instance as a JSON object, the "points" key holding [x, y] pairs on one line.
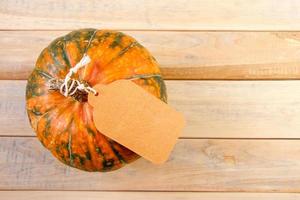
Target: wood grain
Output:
{"points": [[75, 195], [213, 109], [150, 14], [195, 165], [182, 55]]}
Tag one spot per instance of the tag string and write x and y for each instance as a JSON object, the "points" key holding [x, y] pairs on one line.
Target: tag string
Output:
{"points": [[67, 87]]}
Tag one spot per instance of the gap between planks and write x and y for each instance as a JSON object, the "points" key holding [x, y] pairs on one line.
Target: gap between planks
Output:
{"points": [[158, 30], [74, 195]]}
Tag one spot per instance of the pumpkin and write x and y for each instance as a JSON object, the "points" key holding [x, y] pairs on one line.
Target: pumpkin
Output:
{"points": [[64, 125]]}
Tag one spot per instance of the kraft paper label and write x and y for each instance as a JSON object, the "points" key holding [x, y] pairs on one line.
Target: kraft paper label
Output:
{"points": [[126, 113]]}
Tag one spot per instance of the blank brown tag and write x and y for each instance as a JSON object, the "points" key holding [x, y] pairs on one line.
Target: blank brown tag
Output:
{"points": [[126, 113]]}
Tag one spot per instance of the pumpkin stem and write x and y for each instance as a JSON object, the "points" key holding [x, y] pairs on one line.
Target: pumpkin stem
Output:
{"points": [[79, 95]]}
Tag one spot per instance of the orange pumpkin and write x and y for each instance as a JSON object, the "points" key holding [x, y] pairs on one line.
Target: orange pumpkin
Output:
{"points": [[64, 125]]}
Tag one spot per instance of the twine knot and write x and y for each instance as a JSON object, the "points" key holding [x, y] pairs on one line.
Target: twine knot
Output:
{"points": [[66, 87]]}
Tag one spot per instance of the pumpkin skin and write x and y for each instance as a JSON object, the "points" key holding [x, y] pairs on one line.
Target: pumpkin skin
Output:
{"points": [[65, 125]]}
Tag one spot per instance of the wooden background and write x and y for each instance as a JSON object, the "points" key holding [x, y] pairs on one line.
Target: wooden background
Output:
{"points": [[232, 67]]}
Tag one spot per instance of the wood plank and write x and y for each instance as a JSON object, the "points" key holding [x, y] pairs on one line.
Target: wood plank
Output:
{"points": [[74, 195], [182, 55], [195, 165], [149, 15], [213, 109]]}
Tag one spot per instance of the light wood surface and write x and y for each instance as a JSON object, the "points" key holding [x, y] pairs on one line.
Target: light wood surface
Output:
{"points": [[194, 165], [182, 55], [71, 195], [242, 137], [150, 14], [213, 109]]}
